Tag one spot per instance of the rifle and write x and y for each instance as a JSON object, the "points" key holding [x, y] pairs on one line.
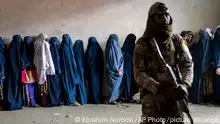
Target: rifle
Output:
{"points": [[183, 101]]}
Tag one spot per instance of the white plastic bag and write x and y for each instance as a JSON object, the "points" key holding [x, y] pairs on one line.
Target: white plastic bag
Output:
{"points": [[136, 97]]}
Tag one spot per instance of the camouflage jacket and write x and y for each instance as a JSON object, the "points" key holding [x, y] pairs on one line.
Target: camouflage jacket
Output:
{"points": [[149, 69]]}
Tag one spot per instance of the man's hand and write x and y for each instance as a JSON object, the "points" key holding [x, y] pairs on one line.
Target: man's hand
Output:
{"points": [[181, 92], [3, 78], [152, 87], [218, 71]]}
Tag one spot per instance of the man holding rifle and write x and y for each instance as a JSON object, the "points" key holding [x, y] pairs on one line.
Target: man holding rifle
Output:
{"points": [[163, 70]]}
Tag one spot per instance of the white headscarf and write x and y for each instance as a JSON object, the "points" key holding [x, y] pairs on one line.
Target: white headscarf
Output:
{"points": [[209, 31], [43, 59]]}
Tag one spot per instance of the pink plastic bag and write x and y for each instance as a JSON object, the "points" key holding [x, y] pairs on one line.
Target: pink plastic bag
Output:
{"points": [[28, 76]]}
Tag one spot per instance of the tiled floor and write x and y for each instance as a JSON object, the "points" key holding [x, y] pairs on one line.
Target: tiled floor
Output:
{"points": [[98, 114]]}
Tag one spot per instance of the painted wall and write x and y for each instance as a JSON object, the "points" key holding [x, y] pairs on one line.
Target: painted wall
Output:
{"points": [[85, 18], [99, 18]]}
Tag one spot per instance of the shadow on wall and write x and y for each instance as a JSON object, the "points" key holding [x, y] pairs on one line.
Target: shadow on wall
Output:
{"points": [[103, 45], [7, 41]]}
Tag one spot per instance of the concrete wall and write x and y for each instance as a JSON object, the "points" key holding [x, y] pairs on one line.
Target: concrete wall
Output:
{"points": [[85, 18]]}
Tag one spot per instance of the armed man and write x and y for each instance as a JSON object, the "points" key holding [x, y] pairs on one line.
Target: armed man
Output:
{"points": [[160, 98]]}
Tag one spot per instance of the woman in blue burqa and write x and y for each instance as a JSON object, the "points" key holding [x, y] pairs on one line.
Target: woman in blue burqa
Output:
{"points": [[114, 67], [94, 67], [16, 62], [128, 83], [54, 82], [216, 42], [69, 71], [3, 51], [202, 87], [81, 92], [30, 88]]}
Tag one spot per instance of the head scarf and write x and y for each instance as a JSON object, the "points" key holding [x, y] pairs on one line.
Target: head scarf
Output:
{"points": [[68, 41], [129, 44], [18, 44], [216, 39], [41, 38], [54, 49], [79, 52], [29, 46], [113, 51], [161, 33]]}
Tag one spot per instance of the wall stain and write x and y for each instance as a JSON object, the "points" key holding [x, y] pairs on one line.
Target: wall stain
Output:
{"points": [[194, 6], [61, 3], [7, 41], [57, 32]]}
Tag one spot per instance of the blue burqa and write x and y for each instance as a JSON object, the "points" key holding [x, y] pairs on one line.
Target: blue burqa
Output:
{"points": [[32, 88], [81, 92], [128, 83], [69, 70], [2, 58], [216, 42], [54, 81], [114, 65], [202, 64], [29, 47], [2, 65], [17, 61], [94, 67]]}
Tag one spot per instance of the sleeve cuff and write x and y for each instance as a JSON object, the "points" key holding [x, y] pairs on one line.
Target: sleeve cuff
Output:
{"points": [[186, 84], [217, 64]]}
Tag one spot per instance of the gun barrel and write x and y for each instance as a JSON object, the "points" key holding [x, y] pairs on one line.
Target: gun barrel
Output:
{"points": [[186, 110]]}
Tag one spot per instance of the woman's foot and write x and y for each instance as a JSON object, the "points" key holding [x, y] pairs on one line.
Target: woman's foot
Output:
{"points": [[113, 103], [36, 105], [75, 104]]}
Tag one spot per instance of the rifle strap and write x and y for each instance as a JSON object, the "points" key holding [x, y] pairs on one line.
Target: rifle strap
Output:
{"points": [[159, 52]]}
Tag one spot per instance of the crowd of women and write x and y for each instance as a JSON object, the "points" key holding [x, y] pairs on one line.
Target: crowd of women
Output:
{"points": [[47, 72], [206, 58]]}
